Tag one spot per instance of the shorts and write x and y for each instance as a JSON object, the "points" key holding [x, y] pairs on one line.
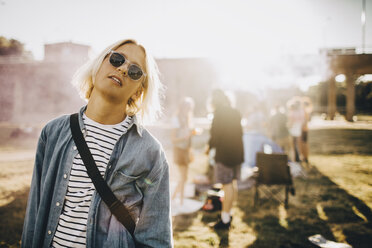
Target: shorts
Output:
{"points": [[295, 130], [181, 156], [224, 174]]}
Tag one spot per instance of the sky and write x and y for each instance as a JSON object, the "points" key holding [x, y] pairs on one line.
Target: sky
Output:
{"points": [[233, 32]]}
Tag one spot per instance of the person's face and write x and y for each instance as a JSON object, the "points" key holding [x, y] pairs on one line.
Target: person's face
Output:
{"points": [[113, 82]]}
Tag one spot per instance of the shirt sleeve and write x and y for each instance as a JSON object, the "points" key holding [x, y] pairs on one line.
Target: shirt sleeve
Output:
{"points": [[154, 228], [34, 196]]}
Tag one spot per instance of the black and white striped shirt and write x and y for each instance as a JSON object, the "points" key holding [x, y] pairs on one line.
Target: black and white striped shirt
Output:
{"points": [[72, 224]]}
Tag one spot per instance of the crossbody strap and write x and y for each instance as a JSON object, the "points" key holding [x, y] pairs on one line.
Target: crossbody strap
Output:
{"points": [[116, 207]]}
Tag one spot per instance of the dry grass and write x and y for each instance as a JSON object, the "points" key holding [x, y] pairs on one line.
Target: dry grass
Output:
{"points": [[333, 200], [341, 141], [350, 172], [16, 167], [320, 206]]}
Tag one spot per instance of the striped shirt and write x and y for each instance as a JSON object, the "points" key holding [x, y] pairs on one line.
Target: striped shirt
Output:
{"points": [[72, 224]]}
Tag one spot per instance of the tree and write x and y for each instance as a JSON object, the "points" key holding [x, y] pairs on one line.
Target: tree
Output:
{"points": [[10, 47], [363, 97]]}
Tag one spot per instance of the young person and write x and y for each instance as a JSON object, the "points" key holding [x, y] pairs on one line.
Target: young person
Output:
{"points": [[181, 139], [307, 107], [64, 209], [226, 136], [296, 120]]}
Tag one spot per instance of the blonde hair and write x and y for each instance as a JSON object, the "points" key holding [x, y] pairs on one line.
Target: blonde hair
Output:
{"points": [[147, 106]]}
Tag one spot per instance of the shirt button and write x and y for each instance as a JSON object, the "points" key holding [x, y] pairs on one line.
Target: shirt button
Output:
{"points": [[64, 175], [57, 204], [74, 148], [83, 131], [49, 232]]}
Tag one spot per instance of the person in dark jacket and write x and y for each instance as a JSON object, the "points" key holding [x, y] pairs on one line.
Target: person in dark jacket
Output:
{"points": [[226, 137]]}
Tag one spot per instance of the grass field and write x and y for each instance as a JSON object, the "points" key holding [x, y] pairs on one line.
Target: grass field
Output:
{"points": [[15, 177], [333, 199], [320, 206]]}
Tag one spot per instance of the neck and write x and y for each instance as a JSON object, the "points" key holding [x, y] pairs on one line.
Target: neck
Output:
{"points": [[102, 111]]}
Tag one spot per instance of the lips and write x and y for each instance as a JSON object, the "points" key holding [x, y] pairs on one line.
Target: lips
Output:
{"points": [[116, 79]]}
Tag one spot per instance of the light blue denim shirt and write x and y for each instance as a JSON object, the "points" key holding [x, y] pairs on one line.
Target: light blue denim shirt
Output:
{"points": [[137, 173]]}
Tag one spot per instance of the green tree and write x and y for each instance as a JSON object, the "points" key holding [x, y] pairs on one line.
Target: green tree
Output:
{"points": [[10, 46]]}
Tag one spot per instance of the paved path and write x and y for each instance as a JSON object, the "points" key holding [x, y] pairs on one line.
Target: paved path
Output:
{"points": [[318, 123]]}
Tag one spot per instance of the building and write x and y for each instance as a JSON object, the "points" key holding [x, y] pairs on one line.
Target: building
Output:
{"points": [[36, 91]]}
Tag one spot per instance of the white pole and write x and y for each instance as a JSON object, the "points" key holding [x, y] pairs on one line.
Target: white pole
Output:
{"points": [[363, 20]]}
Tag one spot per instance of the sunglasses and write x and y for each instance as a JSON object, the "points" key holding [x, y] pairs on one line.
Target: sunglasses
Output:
{"points": [[134, 71]]}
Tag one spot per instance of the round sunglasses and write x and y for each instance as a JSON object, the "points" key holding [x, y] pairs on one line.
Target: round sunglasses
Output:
{"points": [[134, 71]]}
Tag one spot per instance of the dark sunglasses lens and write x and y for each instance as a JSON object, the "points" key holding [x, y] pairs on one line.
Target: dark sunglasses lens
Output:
{"points": [[135, 72], [116, 59]]}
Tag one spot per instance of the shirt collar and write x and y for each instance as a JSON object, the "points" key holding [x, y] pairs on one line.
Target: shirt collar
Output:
{"points": [[139, 127]]}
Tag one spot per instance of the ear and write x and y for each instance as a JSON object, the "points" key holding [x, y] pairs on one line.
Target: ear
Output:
{"points": [[137, 94]]}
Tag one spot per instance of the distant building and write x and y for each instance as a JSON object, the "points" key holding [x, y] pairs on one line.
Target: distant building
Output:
{"points": [[66, 52], [36, 91]]}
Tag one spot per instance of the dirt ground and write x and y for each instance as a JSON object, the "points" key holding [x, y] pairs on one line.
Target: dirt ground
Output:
{"points": [[15, 177], [333, 199]]}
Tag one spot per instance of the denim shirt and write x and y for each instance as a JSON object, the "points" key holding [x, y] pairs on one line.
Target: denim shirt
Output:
{"points": [[137, 173]]}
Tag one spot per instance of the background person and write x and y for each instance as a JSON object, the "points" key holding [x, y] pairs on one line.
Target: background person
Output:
{"points": [[257, 119], [226, 136], [307, 107], [122, 87], [181, 139], [296, 120], [279, 131]]}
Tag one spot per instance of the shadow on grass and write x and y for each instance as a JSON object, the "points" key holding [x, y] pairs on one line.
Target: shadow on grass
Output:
{"points": [[209, 219], [183, 222], [223, 235], [12, 216], [337, 141], [319, 207]]}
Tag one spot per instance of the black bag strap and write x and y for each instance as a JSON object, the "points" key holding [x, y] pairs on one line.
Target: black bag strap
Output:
{"points": [[116, 207]]}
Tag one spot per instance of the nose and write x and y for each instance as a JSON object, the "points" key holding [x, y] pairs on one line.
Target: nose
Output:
{"points": [[123, 69]]}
